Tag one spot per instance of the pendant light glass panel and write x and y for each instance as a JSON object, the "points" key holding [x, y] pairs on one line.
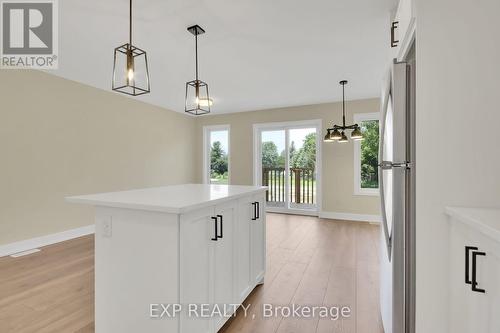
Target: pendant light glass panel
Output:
{"points": [[130, 71], [196, 97]]}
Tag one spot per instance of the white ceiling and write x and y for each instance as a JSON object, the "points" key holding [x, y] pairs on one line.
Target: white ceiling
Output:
{"points": [[256, 54]]}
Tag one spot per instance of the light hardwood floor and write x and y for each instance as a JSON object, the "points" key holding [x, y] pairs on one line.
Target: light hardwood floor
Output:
{"points": [[310, 261]]}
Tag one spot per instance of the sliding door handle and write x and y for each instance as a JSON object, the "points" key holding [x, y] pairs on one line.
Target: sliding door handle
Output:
{"points": [[474, 271], [258, 209], [215, 224], [221, 223], [467, 266], [254, 204]]}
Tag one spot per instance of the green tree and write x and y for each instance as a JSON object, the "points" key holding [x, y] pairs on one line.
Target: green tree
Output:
{"points": [[305, 157], [270, 156], [282, 159], [369, 154], [218, 159]]}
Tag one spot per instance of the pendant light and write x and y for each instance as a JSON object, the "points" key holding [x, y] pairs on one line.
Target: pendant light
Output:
{"points": [[197, 101], [337, 132], [130, 67]]}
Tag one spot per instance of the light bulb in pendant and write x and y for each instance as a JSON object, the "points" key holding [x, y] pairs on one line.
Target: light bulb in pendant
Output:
{"points": [[130, 74], [130, 68], [206, 102]]}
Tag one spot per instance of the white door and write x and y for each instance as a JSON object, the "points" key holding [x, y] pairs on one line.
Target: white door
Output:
{"points": [[257, 240], [223, 264], [392, 179], [196, 269], [242, 237]]}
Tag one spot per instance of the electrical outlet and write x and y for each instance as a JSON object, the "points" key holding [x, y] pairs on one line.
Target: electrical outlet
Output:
{"points": [[107, 227]]}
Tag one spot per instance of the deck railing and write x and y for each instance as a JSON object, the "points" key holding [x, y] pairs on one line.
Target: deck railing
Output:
{"points": [[302, 185]]}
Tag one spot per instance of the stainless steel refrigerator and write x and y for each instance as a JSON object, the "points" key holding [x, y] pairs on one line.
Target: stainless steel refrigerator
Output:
{"points": [[397, 195]]}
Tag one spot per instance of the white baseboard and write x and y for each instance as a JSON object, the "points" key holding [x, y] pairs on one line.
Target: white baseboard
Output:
{"points": [[350, 217], [33, 243]]}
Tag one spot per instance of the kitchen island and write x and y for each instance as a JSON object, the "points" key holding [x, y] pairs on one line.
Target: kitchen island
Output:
{"points": [[166, 257]]}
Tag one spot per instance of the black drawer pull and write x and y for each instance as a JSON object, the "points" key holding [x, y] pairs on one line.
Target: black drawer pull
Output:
{"points": [[221, 222], [215, 223], [467, 255], [474, 271]]}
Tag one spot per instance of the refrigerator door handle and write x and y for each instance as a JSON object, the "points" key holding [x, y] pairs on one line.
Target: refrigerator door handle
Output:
{"points": [[387, 165]]}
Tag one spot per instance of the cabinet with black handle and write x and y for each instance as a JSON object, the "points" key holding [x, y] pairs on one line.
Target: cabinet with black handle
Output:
{"points": [[223, 257], [250, 235], [401, 28], [474, 274]]}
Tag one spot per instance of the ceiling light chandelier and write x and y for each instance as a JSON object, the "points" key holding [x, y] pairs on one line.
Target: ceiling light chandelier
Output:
{"points": [[130, 67], [197, 101], [337, 133]]}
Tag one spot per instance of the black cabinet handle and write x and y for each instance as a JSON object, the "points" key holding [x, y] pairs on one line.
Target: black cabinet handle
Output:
{"points": [[467, 255], [215, 223], [394, 26], [474, 271], [221, 223], [254, 204], [258, 209]]}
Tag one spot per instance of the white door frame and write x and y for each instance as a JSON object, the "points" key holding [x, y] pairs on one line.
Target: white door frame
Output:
{"points": [[206, 149], [257, 161]]}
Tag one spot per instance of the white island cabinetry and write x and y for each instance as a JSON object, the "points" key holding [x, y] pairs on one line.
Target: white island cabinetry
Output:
{"points": [[188, 244]]}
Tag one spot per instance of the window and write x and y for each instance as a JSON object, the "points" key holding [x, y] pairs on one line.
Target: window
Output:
{"points": [[366, 155], [216, 154]]}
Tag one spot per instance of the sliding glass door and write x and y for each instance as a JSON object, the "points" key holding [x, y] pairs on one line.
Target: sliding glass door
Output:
{"points": [[286, 160]]}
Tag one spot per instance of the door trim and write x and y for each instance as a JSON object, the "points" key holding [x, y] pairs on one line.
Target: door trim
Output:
{"points": [[257, 176]]}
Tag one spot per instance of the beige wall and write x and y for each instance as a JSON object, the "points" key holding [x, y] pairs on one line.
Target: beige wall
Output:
{"points": [[338, 159], [58, 138]]}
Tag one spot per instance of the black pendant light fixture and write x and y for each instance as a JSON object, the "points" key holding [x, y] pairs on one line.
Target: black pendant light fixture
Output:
{"points": [[130, 67], [337, 132], [197, 101]]}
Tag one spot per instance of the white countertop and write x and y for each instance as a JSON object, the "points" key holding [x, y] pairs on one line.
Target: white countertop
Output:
{"points": [[176, 199], [486, 220]]}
